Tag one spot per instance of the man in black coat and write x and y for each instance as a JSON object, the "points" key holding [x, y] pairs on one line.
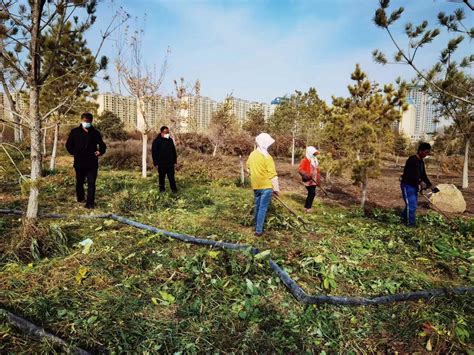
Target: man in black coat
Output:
{"points": [[413, 181], [164, 156], [86, 145]]}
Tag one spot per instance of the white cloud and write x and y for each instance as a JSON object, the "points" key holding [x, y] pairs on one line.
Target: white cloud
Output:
{"points": [[237, 49], [230, 50]]}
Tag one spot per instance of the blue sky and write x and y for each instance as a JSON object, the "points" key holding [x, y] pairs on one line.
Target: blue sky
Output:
{"points": [[258, 50]]}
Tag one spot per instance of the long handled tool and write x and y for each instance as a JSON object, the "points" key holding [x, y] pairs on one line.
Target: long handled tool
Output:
{"points": [[437, 209], [305, 224], [322, 188]]}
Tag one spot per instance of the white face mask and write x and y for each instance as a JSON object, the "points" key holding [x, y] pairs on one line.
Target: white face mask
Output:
{"points": [[86, 124], [167, 135]]}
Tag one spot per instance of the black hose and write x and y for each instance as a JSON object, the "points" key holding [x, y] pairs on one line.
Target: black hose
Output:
{"points": [[292, 286], [39, 332]]}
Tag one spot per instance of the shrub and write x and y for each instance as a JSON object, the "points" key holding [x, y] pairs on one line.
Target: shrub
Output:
{"points": [[111, 126], [125, 155], [238, 144], [195, 141]]}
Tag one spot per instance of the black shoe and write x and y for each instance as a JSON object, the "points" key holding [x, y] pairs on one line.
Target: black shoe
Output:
{"points": [[81, 200], [89, 206]]}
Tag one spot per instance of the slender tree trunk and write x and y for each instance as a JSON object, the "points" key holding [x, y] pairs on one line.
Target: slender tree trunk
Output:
{"points": [[20, 131], [142, 127], [144, 153], [293, 149], [365, 185], [36, 157], [242, 175], [465, 170], [34, 113], [396, 161], [328, 176], [17, 132], [52, 163], [215, 150], [45, 131]]}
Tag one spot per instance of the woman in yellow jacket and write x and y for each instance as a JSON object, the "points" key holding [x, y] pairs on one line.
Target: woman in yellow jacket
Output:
{"points": [[263, 178]]}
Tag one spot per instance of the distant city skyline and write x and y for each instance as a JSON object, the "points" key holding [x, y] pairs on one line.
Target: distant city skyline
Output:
{"points": [[264, 49], [196, 109]]}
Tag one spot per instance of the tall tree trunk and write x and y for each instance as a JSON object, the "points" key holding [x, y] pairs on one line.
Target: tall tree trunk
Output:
{"points": [[144, 153], [242, 175], [215, 149], [293, 149], [396, 161], [465, 170], [365, 185], [142, 126], [34, 114], [45, 131], [36, 157], [20, 131], [52, 163], [17, 131]]}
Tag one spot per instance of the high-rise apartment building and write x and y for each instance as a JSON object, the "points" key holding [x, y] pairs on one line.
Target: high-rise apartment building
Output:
{"points": [[124, 107], [426, 114], [195, 111], [157, 110], [407, 123], [240, 109]]}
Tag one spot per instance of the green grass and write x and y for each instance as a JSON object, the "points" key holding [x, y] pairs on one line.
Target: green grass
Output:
{"points": [[144, 293]]}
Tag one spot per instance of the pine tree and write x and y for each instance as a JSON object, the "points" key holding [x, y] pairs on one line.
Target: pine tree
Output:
{"points": [[449, 80], [71, 83], [255, 123], [22, 28], [111, 126], [223, 123], [360, 125], [301, 116]]}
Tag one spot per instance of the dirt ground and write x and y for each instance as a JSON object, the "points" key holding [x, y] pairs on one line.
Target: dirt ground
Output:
{"points": [[384, 191]]}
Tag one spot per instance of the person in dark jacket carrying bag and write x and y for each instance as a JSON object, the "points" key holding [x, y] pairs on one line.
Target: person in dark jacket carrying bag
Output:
{"points": [[164, 156], [414, 180], [86, 145]]}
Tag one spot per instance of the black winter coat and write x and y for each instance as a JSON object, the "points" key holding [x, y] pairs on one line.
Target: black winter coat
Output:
{"points": [[163, 152], [83, 145], [414, 172]]}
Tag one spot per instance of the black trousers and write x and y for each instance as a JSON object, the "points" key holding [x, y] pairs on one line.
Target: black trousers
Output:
{"points": [[164, 171], [81, 174], [310, 197]]}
